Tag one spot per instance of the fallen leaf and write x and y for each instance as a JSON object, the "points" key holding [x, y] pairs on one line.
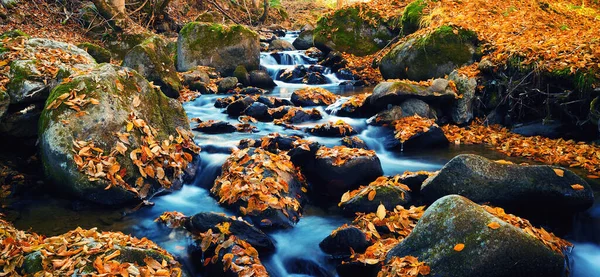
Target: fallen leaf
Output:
{"points": [[494, 225], [371, 195], [559, 172], [577, 187], [459, 247], [381, 212]]}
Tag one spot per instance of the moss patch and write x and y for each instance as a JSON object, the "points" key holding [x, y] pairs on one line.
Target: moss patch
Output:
{"points": [[411, 18]]}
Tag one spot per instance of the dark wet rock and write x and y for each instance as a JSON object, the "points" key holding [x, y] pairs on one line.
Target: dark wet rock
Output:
{"points": [[215, 127], [252, 91], [274, 102], [546, 128], [386, 117], [340, 242], [294, 75], [433, 56], [304, 40], [237, 108], [314, 78], [504, 251], [306, 267], [462, 108], [418, 107], [223, 102], [114, 89], [356, 29], [276, 142], [22, 123], [354, 142], [261, 79], [414, 180], [196, 79], [259, 111], [4, 103], [517, 188], [313, 96], [295, 115], [227, 85], [333, 129], [334, 60], [346, 74], [351, 269], [281, 45], [386, 191], [219, 46], [314, 53], [202, 222], [100, 54], [387, 93], [433, 137], [355, 106], [275, 201], [337, 170], [152, 60], [242, 75]]}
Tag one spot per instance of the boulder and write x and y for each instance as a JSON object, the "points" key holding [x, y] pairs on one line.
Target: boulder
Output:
{"points": [[332, 129], [100, 54], [334, 171], [462, 108], [151, 59], [259, 111], [218, 46], [263, 186], [93, 131], [415, 133], [418, 107], [356, 29], [202, 222], [340, 243], [261, 79], [227, 85], [314, 53], [491, 252], [354, 142], [354, 106], [394, 93], [242, 75], [432, 56], [281, 45], [518, 188], [197, 80], [215, 127], [313, 96], [304, 40], [121, 43], [237, 107], [22, 123], [384, 190]]}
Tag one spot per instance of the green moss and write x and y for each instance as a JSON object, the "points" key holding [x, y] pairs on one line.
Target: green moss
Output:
{"points": [[13, 34], [100, 54], [411, 18], [241, 74], [20, 71], [210, 34], [345, 31]]}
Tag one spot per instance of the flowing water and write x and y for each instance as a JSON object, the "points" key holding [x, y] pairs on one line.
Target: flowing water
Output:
{"points": [[298, 253]]}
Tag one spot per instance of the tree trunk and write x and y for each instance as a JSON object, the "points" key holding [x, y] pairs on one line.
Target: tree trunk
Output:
{"points": [[119, 5], [265, 14], [117, 19]]}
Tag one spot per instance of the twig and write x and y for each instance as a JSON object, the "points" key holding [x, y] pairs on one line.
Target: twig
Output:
{"points": [[139, 9], [223, 11], [248, 11]]}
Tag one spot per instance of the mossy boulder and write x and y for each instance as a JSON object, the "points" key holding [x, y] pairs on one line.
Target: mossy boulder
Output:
{"points": [[26, 84], [218, 46], [520, 189], [395, 93], [431, 56], [151, 59], [242, 75], [505, 251], [304, 41], [4, 102], [121, 95], [120, 44], [358, 30], [388, 195], [100, 54], [411, 17]]}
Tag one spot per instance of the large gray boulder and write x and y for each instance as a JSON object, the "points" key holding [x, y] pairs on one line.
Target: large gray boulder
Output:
{"points": [[219, 46], [102, 137], [517, 188], [432, 56], [304, 40], [394, 93], [151, 59], [499, 252]]}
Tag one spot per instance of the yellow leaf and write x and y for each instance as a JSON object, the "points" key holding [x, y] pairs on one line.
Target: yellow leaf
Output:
{"points": [[129, 126], [381, 212], [494, 225], [371, 195], [559, 172], [345, 197]]}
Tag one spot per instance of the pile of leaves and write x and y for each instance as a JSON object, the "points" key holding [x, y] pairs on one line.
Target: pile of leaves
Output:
{"points": [[407, 127], [511, 30], [47, 61], [75, 250], [549, 239], [550, 151], [317, 95], [339, 128], [292, 115], [253, 182], [342, 154], [370, 190], [72, 100], [355, 102], [160, 161], [362, 66], [407, 266], [385, 229]]}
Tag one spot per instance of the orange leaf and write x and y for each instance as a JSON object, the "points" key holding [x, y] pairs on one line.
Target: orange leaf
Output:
{"points": [[459, 247], [559, 172], [494, 225], [371, 195], [577, 187]]}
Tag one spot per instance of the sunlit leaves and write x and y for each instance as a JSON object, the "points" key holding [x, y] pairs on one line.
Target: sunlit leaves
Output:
{"points": [[407, 127], [342, 154]]}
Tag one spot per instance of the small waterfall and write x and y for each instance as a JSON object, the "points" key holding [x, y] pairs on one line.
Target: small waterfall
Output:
{"points": [[276, 63]]}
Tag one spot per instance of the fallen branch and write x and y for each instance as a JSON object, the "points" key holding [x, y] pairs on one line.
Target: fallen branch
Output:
{"points": [[223, 11]]}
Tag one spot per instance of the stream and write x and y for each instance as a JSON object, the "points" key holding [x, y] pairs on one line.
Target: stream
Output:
{"points": [[298, 253]]}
